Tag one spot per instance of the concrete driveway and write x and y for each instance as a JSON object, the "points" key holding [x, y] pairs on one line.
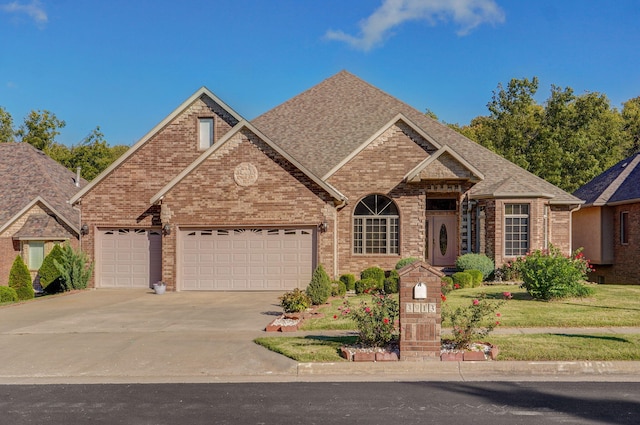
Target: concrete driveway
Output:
{"points": [[136, 336]]}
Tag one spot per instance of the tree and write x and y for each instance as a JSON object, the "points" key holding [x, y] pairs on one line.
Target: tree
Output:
{"points": [[40, 129], [74, 267], [6, 126], [20, 279], [631, 119]]}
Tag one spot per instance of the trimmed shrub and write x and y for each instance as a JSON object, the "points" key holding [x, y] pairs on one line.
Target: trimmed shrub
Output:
{"points": [[349, 281], [20, 280], [366, 285], [295, 301], [75, 268], [477, 277], [390, 286], [8, 295], [463, 279], [551, 275], [50, 276], [338, 288], [475, 262], [446, 285], [319, 288], [403, 262], [374, 273]]}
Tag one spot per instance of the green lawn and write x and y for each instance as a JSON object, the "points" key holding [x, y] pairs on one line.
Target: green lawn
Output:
{"points": [[610, 306]]}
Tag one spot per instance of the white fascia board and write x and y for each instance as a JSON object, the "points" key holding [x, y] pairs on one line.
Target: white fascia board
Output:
{"points": [[199, 93], [393, 121]]}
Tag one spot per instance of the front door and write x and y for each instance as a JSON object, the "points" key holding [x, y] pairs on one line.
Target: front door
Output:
{"points": [[444, 240]]}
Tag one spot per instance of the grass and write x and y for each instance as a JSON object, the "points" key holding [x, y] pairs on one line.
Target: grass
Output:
{"points": [[611, 305], [534, 347]]}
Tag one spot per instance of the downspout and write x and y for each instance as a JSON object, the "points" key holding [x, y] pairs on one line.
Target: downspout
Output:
{"points": [[470, 205], [571, 211], [341, 205]]}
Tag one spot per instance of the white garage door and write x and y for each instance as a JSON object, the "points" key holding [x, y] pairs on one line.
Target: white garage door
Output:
{"points": [[246, 259], [129, 258]]}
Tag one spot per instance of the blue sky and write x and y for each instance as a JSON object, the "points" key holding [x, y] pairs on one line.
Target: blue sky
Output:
{"points": [[125, 65]]}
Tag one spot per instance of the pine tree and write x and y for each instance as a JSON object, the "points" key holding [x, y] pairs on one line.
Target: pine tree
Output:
{"points": [[20, 280]]}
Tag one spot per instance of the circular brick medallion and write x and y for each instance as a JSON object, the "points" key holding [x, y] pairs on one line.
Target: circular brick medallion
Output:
{"points": [[245, 174]]}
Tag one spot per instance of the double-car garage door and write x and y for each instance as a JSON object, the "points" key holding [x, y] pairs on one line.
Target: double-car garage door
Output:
{"points": [[246, 259], [210, 259]]}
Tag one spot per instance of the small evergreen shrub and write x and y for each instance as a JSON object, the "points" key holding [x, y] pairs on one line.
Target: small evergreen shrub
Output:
{"points": [[446, 285], [374, 273], [20, 280], [8, 295], [319, 288], [295, 301], [349, 281], [390, 286], [462, 279], [338, 289], [551, 275], [476, 276], [366, 285], [75, 268], [403, 262], [475, 262], [50, 276]]}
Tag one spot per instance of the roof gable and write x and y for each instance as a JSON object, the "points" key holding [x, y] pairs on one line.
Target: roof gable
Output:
{"points": [[324, 125], [444, 164], [220, 144], [27, 176], [203, 91], [618, 184]]}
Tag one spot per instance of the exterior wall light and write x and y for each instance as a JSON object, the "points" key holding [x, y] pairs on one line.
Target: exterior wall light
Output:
{"points": [[166, 229], [323, 227], [84, 230]]}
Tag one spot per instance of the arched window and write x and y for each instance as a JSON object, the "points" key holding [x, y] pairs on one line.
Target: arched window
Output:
{"points": [[375, 226]]}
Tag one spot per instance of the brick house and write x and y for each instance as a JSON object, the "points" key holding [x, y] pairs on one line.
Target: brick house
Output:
{"points": [[34, 209], [342, 175], [608, 225]]}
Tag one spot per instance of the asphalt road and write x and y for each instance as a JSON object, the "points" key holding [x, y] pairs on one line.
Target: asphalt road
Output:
{"points": [[323, 403]]}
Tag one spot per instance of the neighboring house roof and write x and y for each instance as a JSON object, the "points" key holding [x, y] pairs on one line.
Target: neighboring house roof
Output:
{"points": [[28, 176], [617, 185], [241, 125], [202, 91], [327, 123]]}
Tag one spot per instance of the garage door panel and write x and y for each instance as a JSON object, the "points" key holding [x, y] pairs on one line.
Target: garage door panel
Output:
{"points": [[247, 259], [129, 257]]}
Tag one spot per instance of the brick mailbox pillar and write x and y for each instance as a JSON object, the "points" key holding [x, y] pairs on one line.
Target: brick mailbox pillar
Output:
{"points": [[420, 314]]}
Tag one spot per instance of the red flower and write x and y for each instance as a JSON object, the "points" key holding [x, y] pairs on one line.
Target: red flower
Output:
{"points": [[498, 314], [497, 323], [335, 316], [476, 302], [443, 298], [367, 309], [456, 286], [385, 321]]}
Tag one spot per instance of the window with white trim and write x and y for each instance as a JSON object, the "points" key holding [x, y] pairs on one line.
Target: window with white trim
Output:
{"points": [[376, 227], [516, 229], [624, 227], [205, 133]]}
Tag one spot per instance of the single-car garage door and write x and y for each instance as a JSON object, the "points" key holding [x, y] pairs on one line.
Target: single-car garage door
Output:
{"points": [[246, 259], [129, 258]]}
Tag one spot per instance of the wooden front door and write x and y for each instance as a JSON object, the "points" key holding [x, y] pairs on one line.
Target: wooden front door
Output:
{"points": [[443, 236]]}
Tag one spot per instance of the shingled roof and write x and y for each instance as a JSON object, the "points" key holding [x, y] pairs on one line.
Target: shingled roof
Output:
{"points": [[619, 184], [28, 175], [323, 125]]}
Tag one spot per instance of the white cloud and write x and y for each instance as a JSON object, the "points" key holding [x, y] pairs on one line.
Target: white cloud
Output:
{"points": [[34, 10], [466, 14]]}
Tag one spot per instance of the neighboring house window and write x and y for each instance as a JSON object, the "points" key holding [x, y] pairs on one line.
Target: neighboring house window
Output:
{"points": [[516, 229], [205, 132], [375, 226], [624, 227], [36, 255]]}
